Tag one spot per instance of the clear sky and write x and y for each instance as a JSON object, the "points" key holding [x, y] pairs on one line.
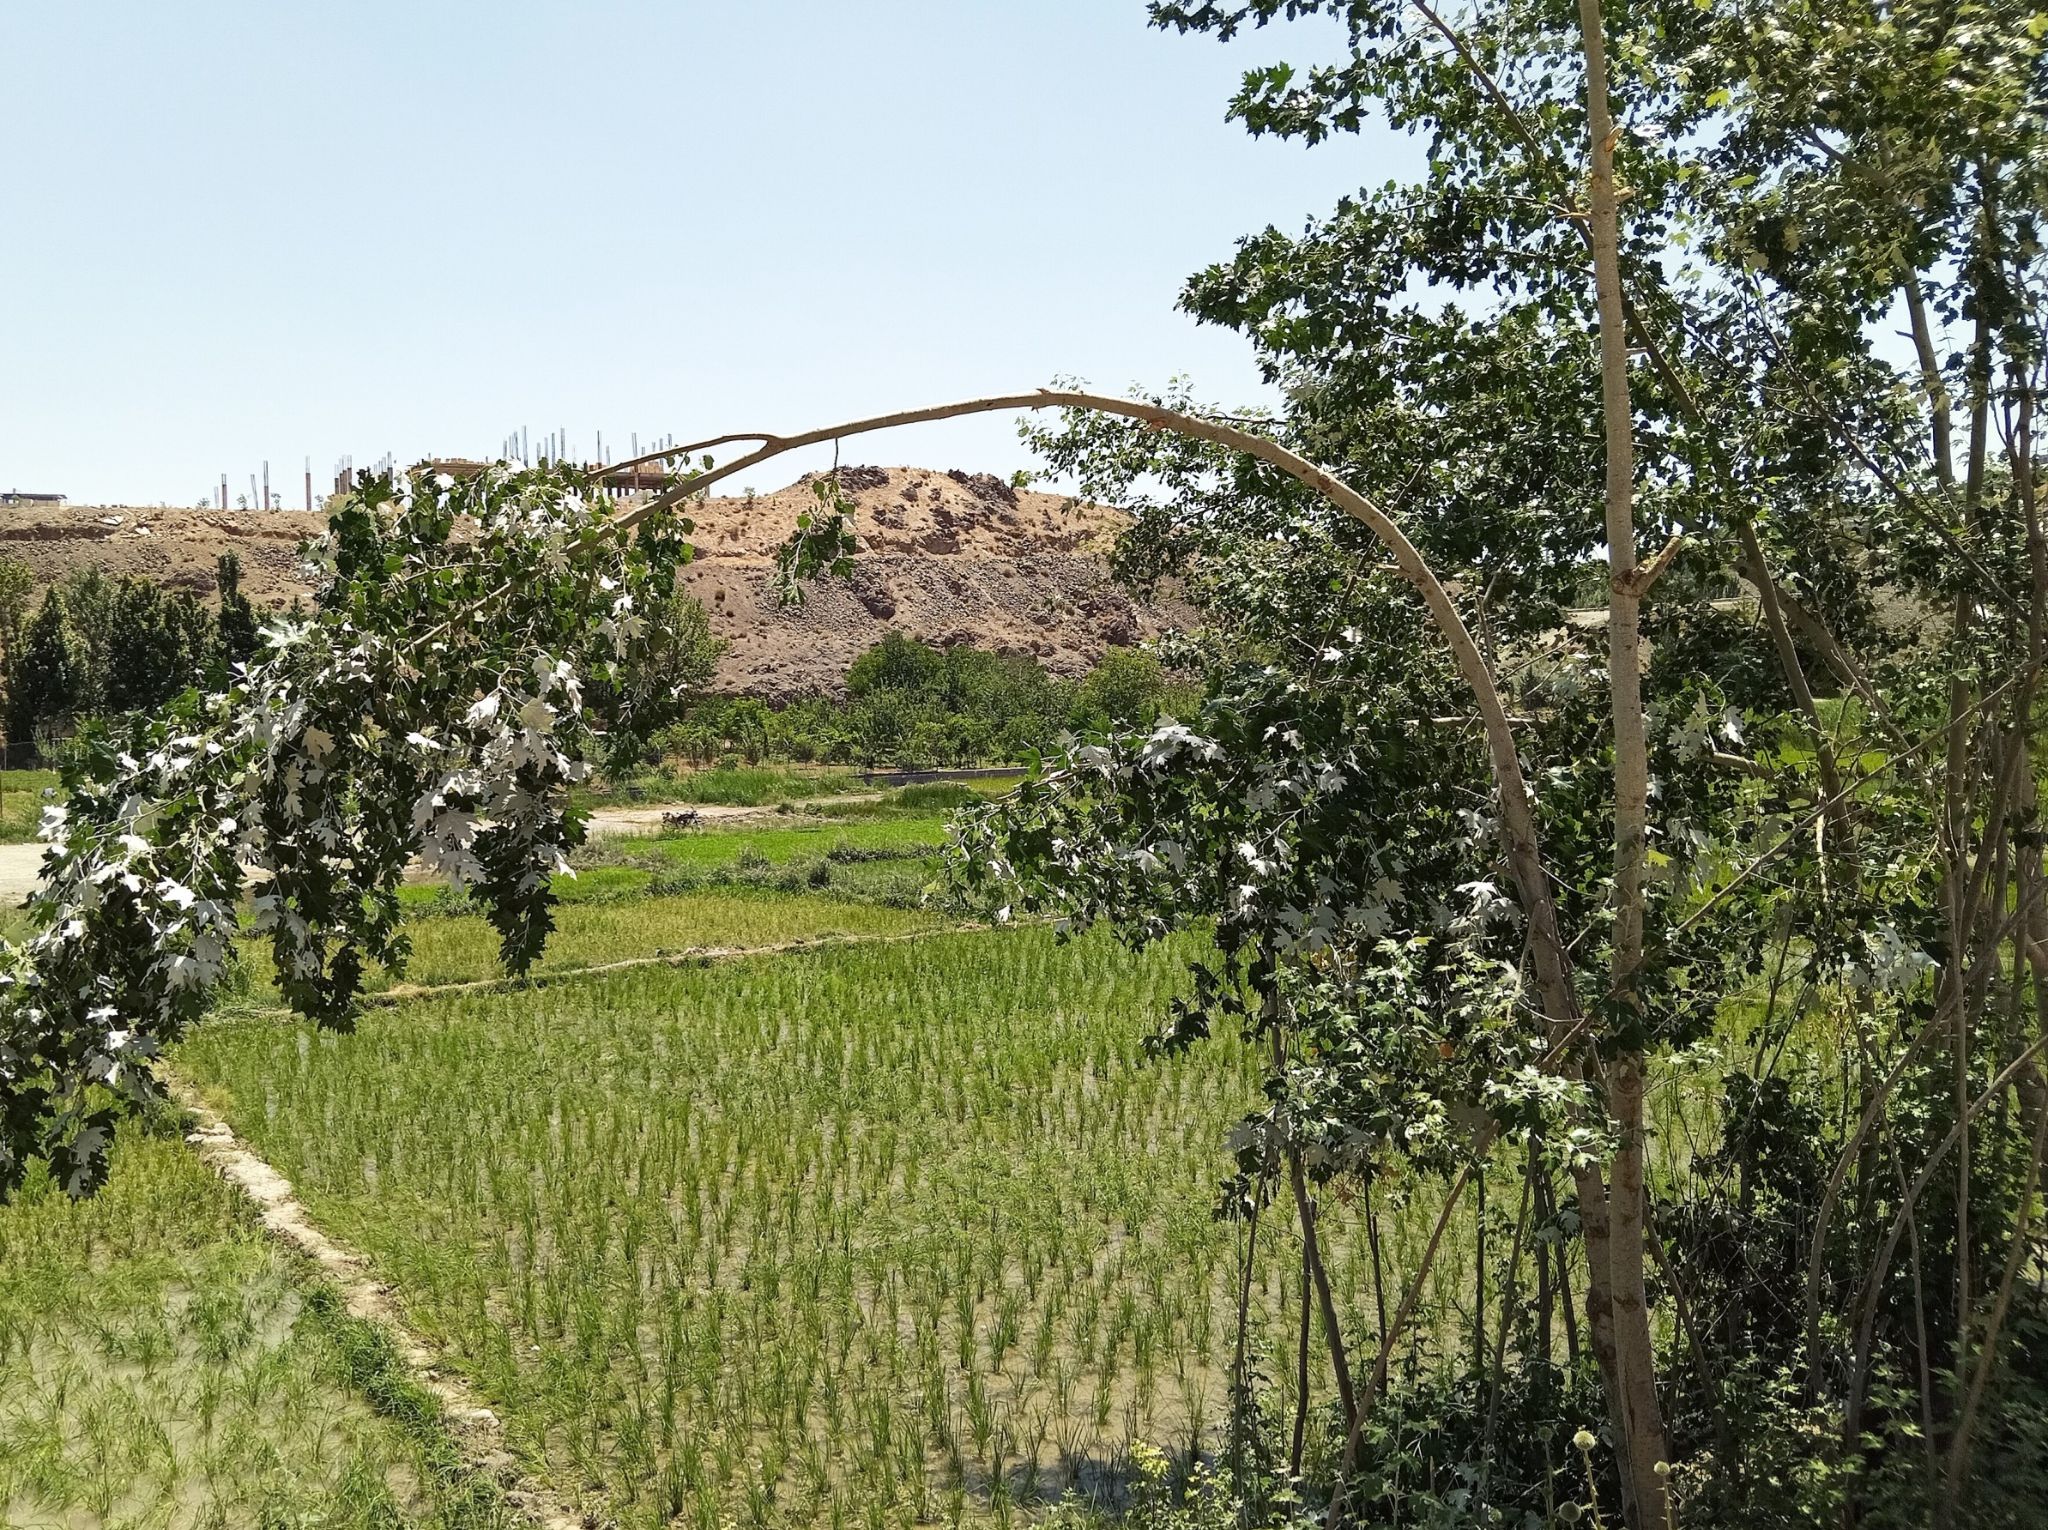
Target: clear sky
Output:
{"points": [[238, 231]]}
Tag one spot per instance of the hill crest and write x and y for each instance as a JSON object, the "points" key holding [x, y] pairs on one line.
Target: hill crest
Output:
{"points": [[949, 557]]}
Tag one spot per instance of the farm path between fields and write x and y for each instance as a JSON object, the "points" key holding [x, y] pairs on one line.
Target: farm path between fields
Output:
{"points": [[645, 817], [476, 1430], [20, 863], [18, 867]]}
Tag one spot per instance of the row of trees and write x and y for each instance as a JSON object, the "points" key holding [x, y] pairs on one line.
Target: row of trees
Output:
{"points": [[96, 645], [911, 704]]}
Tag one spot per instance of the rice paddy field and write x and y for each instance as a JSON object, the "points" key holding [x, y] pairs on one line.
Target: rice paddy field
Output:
{"points": [[162, 1362], [884, 1234], [593, 931], [904, 1229]]}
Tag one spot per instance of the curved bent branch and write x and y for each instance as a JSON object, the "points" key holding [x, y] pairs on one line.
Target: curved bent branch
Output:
{"points": [[1518, 820]]}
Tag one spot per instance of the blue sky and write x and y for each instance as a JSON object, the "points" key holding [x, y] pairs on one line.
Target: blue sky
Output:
{"points": [[242, 231]]}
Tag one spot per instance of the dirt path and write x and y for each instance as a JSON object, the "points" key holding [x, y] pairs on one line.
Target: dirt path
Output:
{"points": [[18, 867], [645, 818], [476, 1430]]}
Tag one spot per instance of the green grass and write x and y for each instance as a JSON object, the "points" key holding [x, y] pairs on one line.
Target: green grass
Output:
{"points": [[929, 798], [943, 796], [163, 1363], [457, 948], [21, 803], [879, 1234], [913, 836]]}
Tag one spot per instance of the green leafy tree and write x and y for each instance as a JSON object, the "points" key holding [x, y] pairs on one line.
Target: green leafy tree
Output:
{"points": [[17, 586], [346, 751], [47, 680], [898, 662], [1128, 689], [1635, 306], [236, 619], [89, 599], [156, 645]]}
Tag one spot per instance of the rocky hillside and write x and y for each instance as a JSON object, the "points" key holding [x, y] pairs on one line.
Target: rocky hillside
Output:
{"points": [[947, 557]]}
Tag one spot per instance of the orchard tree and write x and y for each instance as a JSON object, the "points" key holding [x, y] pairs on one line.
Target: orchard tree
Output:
{"points": [[47, 674], [17, 586]]}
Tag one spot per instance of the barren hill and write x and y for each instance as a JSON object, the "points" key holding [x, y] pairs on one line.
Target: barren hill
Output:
{"points": [[947, 557]]}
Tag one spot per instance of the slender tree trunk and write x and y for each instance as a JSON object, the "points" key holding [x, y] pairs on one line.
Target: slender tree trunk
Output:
{"points": [[1546, 1313], [1294, 1448], [1943, 454], [1479, 1280], [1497, 1371], [1379, 1279], [1311, 1249], [1641, 1422], [1959, 830], [1326, 1305]]}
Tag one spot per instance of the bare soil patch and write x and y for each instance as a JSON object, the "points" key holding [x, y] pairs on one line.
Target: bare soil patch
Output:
{"points": [[949, 557]]}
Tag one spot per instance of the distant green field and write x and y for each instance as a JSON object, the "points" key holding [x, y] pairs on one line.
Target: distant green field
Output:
{"points": [[730, 785], [786, 840], [21, 803]]}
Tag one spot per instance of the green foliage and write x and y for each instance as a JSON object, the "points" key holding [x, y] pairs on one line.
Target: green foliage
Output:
{"points": [[1793, 180], [942, 796], [156, 645], [913, 705], [1128, 689], [99, 646], [898, 662], [17, 584], [50, 674], [434, 706], [236, 632]]}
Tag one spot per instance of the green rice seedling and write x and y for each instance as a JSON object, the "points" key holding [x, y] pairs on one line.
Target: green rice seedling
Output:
{"points": [[838, 1232], [162, 1362], [463, 948]]}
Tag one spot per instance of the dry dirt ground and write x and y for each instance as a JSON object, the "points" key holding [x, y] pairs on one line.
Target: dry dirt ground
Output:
{"points": [[18, 865], [950, 557]]}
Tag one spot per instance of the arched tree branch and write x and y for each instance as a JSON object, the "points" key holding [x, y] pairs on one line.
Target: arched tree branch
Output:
{"points": [[1518, 821]]}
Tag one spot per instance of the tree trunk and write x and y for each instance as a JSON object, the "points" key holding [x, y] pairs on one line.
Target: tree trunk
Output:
{"points": [[1640, 1421], [1311, 1253]]}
